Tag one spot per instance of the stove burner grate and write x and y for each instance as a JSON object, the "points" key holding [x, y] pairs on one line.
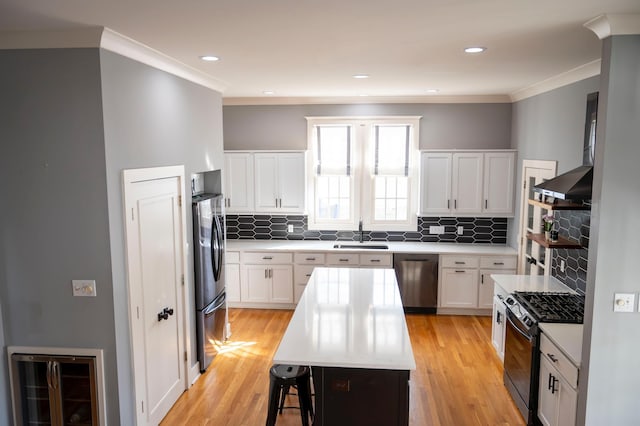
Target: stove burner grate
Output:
{"points": [[553, 307]]}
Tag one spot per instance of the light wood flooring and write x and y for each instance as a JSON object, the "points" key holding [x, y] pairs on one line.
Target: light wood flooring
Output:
{"points": [[458, 380]]}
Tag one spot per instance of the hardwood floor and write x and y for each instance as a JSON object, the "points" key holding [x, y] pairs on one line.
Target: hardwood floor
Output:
{"points": [[458, 380]]}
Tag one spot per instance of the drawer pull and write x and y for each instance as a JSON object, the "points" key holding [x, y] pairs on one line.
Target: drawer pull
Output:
{"points": [[267, 257], [460, 263], [498, 263], [459, 271], [552, 357], [307, 275], [343, 260], [375, 260], [310, 258]]}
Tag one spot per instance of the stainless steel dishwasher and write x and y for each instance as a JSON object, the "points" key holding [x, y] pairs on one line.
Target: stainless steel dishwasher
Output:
{"points": [[417, 276]]}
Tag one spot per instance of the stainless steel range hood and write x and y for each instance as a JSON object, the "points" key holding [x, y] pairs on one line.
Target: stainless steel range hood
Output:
{"points": [[572, 185]]}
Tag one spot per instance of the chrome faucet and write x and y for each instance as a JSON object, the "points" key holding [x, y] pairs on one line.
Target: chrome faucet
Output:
{"points": [[360, 231]]}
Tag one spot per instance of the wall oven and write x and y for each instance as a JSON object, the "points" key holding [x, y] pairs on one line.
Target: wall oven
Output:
{"points": [[522, 342]]}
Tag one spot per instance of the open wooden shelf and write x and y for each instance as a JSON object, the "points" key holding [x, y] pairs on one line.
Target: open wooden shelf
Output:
{"points": [[560, 205], [561, 243]]}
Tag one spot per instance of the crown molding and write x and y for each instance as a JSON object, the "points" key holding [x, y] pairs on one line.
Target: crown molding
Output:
{"points": [[130, 48], [579, 73], [101, 37], [348, 100], [609, 25]]}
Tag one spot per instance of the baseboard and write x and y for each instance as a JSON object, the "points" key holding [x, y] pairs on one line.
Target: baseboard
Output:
{"points": [[194, 373]]}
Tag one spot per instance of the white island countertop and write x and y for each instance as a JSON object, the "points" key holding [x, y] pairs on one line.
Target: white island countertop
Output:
{"points": [[350, 318], [512, 283]]}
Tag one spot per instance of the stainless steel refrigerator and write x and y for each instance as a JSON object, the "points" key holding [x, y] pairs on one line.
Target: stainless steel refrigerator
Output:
{"points": [[211, 306]]}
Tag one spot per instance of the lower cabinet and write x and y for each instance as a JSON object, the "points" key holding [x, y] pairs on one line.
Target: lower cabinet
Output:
{"points": [[498, 328], [466, 283], [558, 395], [232, 276], [266, 278]]}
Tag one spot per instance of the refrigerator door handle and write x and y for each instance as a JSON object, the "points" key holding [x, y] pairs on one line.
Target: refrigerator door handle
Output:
{"points": [[211, 310], [216, 247]]}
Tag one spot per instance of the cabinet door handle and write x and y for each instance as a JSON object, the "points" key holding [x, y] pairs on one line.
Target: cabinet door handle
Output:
{"points": [[481, 278], [460, 263], [267, 257], [498, 263], [550, 384], [265, 273], [374, 260], [455, 204], [552, 357], [343, 260], [553, 385], [459, 271], [270, 273], [486, 204], [448, 204], [310, 258]]}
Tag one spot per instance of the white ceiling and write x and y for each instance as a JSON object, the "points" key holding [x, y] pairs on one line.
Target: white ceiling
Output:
{"points": [[310, 49]]}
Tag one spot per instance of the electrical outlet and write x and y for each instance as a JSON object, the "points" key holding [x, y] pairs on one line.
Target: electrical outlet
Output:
{"points": [[290, 228], [563, 265], [624, 302], [460, 230], [84, 287], [436, 230]]}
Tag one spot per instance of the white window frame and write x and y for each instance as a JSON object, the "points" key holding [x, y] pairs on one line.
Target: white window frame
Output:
{"points": [[362, 173]]}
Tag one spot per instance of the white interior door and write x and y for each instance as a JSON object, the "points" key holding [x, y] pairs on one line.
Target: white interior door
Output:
{"points": [[155, 241], [533, 173]]}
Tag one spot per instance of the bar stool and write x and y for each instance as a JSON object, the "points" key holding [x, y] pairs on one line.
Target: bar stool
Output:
{"points": [[281, 378]]}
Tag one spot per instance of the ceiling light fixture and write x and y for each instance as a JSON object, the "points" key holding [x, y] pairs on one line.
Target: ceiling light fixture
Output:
{"points": [[361, 76], [209, 58], [475, 49]]}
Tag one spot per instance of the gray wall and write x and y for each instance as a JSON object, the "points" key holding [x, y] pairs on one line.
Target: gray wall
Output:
{"points": [[549, 126], [443, 126], [151, 119], [53, 219], [611, 346], [60, 178]]}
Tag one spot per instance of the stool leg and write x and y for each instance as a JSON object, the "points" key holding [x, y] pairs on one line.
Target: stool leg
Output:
{"points": [[274, 397], [285, 392], [303, 399]]}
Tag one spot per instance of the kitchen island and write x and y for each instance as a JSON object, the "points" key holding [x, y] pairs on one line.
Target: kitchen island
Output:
{"points": [[349, 326]]}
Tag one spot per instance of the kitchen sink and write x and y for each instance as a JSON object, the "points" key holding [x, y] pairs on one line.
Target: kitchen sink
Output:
{"points": [[362, 246]]}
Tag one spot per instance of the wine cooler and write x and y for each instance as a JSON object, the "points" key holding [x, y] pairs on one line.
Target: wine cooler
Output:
{"points": [[54, 390]]}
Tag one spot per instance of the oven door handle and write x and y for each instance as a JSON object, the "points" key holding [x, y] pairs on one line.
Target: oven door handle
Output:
{"points": [[516, 328]]}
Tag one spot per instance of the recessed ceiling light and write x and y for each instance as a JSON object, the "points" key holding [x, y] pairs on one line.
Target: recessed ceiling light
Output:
{"points": [[475, 49], [268, 92], [361, 76], [209, 58], [432, 90]]}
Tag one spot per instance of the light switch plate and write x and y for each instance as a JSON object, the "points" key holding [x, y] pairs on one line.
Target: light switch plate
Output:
{"points": [[460, 230], [289, 228], [624, 302], [84, 288]]}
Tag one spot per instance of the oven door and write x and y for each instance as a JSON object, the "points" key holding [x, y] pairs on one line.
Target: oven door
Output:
{"points": [[520, 365]]}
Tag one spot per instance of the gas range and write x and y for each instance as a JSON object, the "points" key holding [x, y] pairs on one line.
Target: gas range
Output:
{"points": [[534, 307]]}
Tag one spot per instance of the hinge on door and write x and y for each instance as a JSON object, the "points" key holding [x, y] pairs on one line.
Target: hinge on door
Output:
{"points": [[138, 311], [179, 200], [142, 405], [524, 184], [182, 279], [185, 355]]}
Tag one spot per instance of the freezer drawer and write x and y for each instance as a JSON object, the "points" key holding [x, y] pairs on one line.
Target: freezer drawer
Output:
{"points": [[210, 328]]}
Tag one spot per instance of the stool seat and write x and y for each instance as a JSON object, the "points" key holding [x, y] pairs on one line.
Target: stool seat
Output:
{"points": [[281, 378]]}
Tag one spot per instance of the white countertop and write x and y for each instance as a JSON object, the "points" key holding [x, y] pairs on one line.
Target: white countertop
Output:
{"points": [[567, 337], [394, 247], [348, 317], [511, 283]]}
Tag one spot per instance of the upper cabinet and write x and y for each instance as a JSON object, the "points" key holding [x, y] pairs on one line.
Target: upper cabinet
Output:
{"points": [[473, 183], [279, 182], [238, 182]]}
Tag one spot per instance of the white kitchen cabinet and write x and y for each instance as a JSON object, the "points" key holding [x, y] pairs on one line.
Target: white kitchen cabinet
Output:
{"points": [[467, 183], [465, 281], [232, 276], [498, 325], [305, 263], [499, 176], [238, 182], [558, 386], [279, 182], [267, 278]]}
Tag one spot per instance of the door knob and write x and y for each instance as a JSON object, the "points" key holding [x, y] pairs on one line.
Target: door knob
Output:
{"points": [[166, 312]]}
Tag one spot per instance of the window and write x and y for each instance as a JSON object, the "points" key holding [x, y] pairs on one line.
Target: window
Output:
{"points": [[363, 169]]}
